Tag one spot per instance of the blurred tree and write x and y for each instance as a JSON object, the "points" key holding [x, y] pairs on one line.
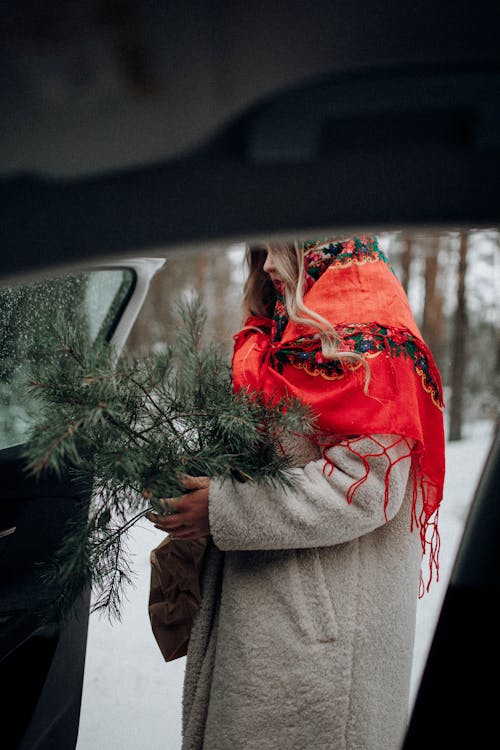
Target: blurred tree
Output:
{"points": [[208, 273], [459, 345], [482, 386], [433, 314], [406, 258], [157, 317]]}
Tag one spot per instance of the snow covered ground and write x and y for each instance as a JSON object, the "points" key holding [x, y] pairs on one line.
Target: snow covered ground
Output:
{"points": [[132, 698]]}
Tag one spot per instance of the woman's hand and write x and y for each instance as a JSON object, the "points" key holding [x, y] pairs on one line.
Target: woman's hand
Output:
{"points": [[190, 520]]}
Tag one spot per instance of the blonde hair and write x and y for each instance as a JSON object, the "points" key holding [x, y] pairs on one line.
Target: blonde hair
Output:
{"points": [[259, 295]]}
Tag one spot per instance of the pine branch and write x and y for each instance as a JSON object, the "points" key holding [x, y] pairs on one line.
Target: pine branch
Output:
{"points": [[130, 428]]}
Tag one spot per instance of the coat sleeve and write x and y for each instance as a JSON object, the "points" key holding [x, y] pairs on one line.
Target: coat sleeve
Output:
{"points": [[315, 513]]}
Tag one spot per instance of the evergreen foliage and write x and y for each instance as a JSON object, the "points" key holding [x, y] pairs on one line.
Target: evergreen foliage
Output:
{"points": [[129, 427]]}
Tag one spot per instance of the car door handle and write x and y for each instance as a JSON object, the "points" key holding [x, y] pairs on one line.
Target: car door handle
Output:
{"points": [[7, 532]]}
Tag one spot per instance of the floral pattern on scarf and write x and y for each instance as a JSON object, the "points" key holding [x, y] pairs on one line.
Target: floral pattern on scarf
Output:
{"points": [[368, 340]]}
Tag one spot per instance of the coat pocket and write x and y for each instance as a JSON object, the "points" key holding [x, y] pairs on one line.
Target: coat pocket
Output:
{"points": [[316, 595]]}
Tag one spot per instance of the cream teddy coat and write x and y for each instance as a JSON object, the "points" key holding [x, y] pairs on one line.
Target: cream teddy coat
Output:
{"points": [[305, 634]]}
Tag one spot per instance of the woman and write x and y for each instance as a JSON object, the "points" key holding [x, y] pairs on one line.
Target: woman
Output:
{"points": [[305, 633]]}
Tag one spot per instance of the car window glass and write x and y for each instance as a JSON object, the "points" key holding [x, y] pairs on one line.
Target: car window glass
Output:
{"points": [[89, 301]]}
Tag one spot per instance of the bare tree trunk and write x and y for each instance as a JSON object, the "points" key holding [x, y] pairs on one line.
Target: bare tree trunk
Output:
{"points": [[406, 258], [432, 319], [459, 347], [224, 317]]}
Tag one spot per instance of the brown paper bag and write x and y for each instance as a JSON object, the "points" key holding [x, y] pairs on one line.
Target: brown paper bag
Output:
{"points": [[175, 596]]}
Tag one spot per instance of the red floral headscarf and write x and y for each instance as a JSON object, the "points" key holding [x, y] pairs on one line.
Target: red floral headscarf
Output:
{"points": [[353, 286]]}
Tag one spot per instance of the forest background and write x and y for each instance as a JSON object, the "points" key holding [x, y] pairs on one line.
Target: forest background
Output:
{"points": [[452, 280]]}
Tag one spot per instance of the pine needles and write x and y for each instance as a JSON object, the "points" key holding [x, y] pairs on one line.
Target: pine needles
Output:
{"points": [[128, 428]]}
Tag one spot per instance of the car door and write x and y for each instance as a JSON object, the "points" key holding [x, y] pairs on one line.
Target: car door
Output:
{"points": [[42, 664]]}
